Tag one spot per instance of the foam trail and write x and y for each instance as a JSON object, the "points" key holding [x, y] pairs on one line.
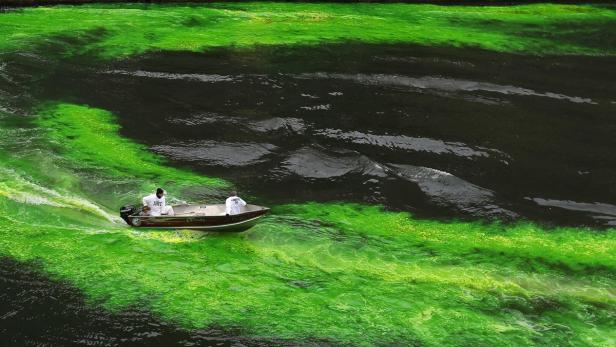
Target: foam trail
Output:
{"points": [[24, 191]]}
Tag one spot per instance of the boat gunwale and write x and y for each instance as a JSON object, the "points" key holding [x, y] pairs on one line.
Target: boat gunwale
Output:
{"points": [[263, 209]]}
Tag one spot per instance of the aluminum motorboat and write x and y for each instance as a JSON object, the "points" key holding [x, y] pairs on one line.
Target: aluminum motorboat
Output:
{"points": [[199, 217]]}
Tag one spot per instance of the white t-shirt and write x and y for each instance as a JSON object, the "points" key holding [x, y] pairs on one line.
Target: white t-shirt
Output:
{"points": [[155, 204], [234, 205]]}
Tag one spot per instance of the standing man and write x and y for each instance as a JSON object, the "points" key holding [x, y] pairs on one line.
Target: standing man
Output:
{"points": [[234, 204], [157, 205]]}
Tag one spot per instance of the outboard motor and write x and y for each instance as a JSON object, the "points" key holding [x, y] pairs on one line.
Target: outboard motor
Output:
{"points": [[126, 211]]}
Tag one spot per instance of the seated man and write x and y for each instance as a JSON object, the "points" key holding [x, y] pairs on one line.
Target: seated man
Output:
{"points": [[156, 205], [234, 204]]}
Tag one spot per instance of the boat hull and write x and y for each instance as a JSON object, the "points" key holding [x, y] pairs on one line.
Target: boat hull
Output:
{"points": [[218, 223]]}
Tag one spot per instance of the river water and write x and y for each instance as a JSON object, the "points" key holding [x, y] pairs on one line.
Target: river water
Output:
{"points": [[435, 131], [443, 133]]}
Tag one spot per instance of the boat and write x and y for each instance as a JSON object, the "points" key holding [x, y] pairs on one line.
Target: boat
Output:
{"points": [[198, 217]]}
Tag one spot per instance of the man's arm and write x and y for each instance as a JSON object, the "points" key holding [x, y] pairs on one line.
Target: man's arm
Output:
{"points": [[227, 207], [242, 202], [145, 201]]}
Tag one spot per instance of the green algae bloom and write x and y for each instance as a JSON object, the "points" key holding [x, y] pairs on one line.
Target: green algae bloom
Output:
{"points": [[346, 273], [119, 30], [297, 278], [89, 139]]}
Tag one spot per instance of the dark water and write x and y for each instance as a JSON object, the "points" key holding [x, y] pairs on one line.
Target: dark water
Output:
{"points": [[440, 132], [40, 312]]}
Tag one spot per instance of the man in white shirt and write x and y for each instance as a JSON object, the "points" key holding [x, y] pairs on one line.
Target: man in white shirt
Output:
{"points": [[156, 204], [234, 204]]}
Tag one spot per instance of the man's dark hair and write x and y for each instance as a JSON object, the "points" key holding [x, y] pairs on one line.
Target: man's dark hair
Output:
{"points": [[159, 191], [233, 193]]}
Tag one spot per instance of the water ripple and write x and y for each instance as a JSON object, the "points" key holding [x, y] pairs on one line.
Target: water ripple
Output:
{"points": [[599, 210], [442, 84], [312, 163], [419, 144], [209, 78], [217, 153], [448, 190], [274, 124]]}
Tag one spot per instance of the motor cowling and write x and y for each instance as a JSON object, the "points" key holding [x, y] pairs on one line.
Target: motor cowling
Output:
{"points": [[126, 211]]}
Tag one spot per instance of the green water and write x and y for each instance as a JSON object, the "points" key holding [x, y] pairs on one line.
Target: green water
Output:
{"points": [[347, 273], [122, 30]]}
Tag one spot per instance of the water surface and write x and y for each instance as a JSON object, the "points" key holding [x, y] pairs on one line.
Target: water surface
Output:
{"points": [[422, 193]]}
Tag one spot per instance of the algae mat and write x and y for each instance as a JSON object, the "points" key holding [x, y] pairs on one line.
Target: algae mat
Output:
{"points": [[121, 30]]}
